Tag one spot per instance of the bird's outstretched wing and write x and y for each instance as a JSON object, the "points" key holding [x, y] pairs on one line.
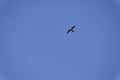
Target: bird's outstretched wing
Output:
{"points": [[68, 31], [73, 27]]}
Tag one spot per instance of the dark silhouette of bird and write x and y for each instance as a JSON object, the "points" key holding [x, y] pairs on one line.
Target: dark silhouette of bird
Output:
{"points": [[71, 29]]}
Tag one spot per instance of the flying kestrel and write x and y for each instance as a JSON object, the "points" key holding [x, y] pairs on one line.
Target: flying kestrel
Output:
{"points": [[71, 29]]}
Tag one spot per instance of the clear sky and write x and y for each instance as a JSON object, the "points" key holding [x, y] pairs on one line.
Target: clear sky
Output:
{"points": [[34, 44]]}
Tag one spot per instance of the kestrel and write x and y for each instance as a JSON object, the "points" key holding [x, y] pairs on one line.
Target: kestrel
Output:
{"points": [[71, 29]]}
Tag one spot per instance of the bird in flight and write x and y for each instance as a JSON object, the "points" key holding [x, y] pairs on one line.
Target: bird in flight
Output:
{"points": [[71, 29]]}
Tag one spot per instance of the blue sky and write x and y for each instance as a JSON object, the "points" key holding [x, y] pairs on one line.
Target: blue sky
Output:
{"points": [[35, 46]]}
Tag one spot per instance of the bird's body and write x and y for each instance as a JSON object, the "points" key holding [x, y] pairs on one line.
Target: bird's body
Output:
{"points": [[71, 29]]}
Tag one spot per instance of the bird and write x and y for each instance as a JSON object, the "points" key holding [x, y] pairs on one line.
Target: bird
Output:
{"points": [[71, 29]]}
